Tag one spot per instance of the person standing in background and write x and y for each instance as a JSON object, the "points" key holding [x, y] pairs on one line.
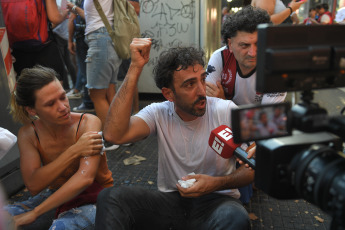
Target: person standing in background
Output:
{"points": [[102, 61], [225, 13], [277, 10], [311, 19], [340, 16], [78, 47], [325, 17], [61, 38], [28, 51]]}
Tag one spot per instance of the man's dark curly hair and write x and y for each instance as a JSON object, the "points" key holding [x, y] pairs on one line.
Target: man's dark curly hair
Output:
{"points": [[245, 20], [175, 59]]}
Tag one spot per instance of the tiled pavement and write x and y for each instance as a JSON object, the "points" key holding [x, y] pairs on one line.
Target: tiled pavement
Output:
{"points": [[265, 211]]}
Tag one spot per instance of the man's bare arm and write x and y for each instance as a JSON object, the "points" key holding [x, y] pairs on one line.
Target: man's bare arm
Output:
{"points": [[120, 127]]}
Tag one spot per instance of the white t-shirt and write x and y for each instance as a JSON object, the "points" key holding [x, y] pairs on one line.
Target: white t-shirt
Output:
{"points": [[183, 146], [92, 18], [279, 6], [325, 18], [62, 29], [245, 86]]}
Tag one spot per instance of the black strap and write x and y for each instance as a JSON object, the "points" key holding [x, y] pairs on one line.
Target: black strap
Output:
{"points": [[32, 122], [76, 133]]}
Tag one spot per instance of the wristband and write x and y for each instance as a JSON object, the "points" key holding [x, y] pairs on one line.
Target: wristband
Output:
{"points": [[290, 9], [74, 9]]}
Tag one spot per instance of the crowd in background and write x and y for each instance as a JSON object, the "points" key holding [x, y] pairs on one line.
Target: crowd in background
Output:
{"points": [[317, 15]]}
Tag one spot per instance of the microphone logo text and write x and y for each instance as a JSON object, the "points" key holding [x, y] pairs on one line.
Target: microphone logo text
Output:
{"points": [[226, 134], [217, 145]]}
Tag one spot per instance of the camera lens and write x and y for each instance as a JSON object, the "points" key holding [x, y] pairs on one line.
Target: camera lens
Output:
{"points": [[318, 174], [310, 165], [330, 191]]}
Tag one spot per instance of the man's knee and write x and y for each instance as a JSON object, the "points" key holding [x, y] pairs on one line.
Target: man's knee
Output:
{"points": [[113, 195], [105, 195], [230, 215]]}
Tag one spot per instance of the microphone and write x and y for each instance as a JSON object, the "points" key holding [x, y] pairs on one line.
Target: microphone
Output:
{"points": [[222, 142]]}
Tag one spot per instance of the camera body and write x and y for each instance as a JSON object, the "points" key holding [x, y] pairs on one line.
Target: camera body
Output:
{"points": [[306, 160], [279, 180]]}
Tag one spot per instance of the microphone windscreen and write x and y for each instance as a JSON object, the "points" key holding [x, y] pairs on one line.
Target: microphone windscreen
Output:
{"points": [[222, 142]]}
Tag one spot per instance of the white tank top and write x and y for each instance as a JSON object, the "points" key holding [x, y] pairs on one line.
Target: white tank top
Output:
{"points": [[92, 18]]}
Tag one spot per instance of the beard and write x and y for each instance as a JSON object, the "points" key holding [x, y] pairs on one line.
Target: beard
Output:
{"points": [[198, 112], [191, 108]]}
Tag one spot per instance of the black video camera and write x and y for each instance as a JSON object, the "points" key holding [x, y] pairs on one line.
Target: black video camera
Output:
{"points": [[299, 151]]}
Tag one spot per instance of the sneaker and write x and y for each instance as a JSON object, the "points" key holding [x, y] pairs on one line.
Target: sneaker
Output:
{"points": [[73, 95], [83, 109], [110, 146]]}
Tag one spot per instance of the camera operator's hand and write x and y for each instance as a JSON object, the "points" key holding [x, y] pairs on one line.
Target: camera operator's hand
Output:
{"points": [[215, 90], [251, 154]]}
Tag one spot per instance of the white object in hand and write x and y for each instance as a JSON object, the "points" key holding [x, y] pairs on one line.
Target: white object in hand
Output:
{"points": [[103, 149], [187, 183]]}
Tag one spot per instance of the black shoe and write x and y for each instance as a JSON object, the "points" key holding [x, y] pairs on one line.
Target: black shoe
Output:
{"points": [[83, 109]]}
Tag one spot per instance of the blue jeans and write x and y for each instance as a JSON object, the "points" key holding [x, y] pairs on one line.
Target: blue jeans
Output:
{"points": [[139, 208], [81, 51], [74, 219], [102, 62]]}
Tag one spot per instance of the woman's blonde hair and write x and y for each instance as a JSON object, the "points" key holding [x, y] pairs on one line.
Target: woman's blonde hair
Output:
{"points": [[29, 81]]}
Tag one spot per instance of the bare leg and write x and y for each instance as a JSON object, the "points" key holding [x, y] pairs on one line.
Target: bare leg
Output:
{"points": [[111, 91], [100, 101]]}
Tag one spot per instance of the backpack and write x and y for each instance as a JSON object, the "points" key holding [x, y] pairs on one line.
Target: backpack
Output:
{"points": [[126, 26], [26, 22], [228, 76]]}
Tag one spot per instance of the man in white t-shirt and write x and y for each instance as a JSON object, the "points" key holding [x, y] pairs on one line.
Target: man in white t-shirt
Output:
{"points": [[182, 125], [232, 68]]}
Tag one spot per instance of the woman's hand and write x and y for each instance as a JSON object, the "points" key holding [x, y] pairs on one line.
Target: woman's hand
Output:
{"points": [[24, 219], [89, 144]]}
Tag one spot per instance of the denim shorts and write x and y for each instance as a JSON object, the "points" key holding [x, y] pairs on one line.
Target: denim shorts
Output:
{"points": [[102, 62], [82, 217]]}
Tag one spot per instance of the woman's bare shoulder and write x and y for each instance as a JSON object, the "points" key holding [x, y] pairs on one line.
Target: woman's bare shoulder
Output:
{"points": [[88, 122], [26, 134]]}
